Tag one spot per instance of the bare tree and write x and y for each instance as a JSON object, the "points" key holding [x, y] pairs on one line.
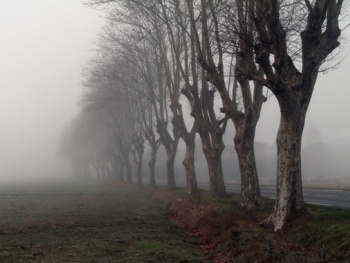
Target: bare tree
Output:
{"points": [[154, 143], [292, 80], [173, 14], [212, 57], [144, 51], [106, 93]]}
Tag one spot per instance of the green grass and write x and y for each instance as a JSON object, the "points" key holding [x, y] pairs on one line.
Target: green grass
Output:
{"points": [[324, 236], [328, 230], [93, 222], [88, 222]]}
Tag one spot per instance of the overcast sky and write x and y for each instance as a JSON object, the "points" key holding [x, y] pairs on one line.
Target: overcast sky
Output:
{"points": [[44, 46], [329, 108], [328, 112]]}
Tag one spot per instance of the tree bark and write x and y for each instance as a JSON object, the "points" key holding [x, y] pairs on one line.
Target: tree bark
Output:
{"points": [[289, 198], [171, 183], [139, 168], [137, 153], [188, 162], [216, 179], [293, 89], [151, 166], [171, 149], [244, 145]]}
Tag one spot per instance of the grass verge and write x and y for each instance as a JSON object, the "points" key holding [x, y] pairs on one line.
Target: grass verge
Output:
{"points": [[88, 222], [233, 235]]}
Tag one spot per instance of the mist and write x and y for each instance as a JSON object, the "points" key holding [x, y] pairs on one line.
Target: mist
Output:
{"points": [[324, 162], [45, 46]]}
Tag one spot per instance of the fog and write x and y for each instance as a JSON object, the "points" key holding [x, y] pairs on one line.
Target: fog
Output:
{"points": [[45, 44]]}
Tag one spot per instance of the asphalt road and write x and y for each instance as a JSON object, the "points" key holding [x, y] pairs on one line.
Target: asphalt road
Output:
{"points": [[322, 197], [315, 196]]}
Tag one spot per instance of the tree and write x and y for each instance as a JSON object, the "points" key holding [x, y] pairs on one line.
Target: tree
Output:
{"points": [[292, 82], [212, 57], [154, 143], [107, 94], [84, 144], [200, 98], [152, 51], [179, 17]]}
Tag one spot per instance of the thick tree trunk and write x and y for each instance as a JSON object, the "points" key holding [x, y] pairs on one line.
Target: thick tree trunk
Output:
{"points": [[151, 165], [171, 154], [289, 196], [170, 174], [139, 169], [212, 155], [188, 162], [170, 146], [216, 179], [250, 188]]}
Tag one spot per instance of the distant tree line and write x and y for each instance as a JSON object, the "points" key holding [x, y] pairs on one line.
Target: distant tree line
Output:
{"points": [[169, 70]]}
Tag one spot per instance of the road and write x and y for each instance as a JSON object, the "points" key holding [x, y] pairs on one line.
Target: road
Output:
{"points": [[322, 197]]}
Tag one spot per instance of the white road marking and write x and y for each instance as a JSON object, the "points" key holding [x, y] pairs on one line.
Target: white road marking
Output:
{"points": [[311, 203]]}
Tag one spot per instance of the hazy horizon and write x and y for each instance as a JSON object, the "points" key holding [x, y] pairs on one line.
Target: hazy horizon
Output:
{"points": [[45, 46]]}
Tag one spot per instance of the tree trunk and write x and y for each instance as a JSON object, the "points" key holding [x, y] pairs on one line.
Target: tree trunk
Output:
{"points": [[139, 171], [127, 170], [212, 155], [250, 188], [151, 165], [188, 162], [138, 158], [170, 146], [289, 196], [216, 179], [171, 154]]}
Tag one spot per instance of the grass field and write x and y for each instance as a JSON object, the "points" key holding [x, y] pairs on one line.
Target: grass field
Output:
{"points": [[88, 222]]}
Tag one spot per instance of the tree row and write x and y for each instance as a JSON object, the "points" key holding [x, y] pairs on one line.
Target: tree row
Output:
{"points": [[171, 70]]}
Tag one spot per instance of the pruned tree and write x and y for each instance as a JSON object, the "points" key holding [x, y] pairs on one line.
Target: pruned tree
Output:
{"points": [[141, 46], [174, 15], [291, 52], [154, 143], [106, 93], [214, 61], [83, 144]]}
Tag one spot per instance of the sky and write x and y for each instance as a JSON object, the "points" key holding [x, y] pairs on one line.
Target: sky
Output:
{"points": [[44, 46], [329, 108]]}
